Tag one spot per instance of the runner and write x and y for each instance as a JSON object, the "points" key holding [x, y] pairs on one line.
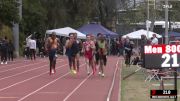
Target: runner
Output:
{"points": [[94, 51], [88, 48], [101, 52], [71, 51], [77, 42], [52, 45]]}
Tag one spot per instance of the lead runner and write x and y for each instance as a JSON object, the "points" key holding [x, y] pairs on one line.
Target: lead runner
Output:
{"points": [[52, 45]]}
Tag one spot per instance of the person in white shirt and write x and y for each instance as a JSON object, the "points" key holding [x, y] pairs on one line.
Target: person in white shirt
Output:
{"points": [[32, 46], [27, 54], [154, 40]]}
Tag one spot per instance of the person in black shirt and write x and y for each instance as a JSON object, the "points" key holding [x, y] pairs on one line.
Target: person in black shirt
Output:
{"points": [[71, 51], [10, 50], [128, 51], [4, 47]]}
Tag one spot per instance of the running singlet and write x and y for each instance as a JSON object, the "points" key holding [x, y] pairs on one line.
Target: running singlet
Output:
{"points": [[102, 48], [88, 49]]}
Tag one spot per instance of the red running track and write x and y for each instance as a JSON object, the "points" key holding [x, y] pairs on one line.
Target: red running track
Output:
{"points": [[30, 81]]}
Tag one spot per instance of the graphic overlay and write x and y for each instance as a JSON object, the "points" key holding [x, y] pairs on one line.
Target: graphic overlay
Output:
{"points": [[162, 56], [163, 94]]}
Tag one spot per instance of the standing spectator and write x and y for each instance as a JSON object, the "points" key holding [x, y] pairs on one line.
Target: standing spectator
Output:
{"points": [[128, 51], [121, 46], [143, 42], [32, 46], [27, 49], [4, 47], [10, 50], [154, 40]]}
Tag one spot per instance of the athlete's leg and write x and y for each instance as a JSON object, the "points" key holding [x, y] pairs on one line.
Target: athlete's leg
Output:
{"points": [[50, 61], [87, 65], [70, 62], [77, 61], [74, 64]]}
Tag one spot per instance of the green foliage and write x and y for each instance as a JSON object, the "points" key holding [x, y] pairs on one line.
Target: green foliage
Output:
{"points": [[6, 31], [34, 16], [8, 12]]}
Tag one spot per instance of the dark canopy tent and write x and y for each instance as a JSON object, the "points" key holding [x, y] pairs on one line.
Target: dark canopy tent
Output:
{"points": [[172, 34], [95, 29], [175, 34]]}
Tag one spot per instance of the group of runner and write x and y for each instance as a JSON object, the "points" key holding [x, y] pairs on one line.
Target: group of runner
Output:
{"points": [[94, 50]]}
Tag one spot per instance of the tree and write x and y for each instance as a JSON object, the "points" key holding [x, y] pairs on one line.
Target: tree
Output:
{"points": [[8, 12], [34, 17]]}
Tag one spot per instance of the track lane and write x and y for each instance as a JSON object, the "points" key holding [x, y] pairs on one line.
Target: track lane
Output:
{"points": [[57, 87], [96, 88], [25, 75]]}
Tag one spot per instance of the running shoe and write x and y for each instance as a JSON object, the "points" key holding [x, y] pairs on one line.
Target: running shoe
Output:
{"points": [[52, 71], [74, 72], [99, 73], [2, 63], [102, 75], [88, 73], [5, 62]]}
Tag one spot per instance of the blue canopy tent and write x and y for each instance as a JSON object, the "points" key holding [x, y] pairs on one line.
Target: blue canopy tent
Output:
{"points": [[174, 34], [95, 29]]}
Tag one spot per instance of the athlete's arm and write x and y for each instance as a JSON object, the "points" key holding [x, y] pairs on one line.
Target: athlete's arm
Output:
{"points": [[58, 44]]}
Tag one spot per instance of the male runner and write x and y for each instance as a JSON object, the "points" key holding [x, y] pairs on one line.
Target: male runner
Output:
{"points": [[88, 47], [101, 55], [52, 45], [70, 49]]}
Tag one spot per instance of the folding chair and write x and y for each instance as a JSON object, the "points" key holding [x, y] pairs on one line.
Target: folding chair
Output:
{"points": [[152, 74]]}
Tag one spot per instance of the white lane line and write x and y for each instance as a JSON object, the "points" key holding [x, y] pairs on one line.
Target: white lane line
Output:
{"points": [[15, 84], [24, 72], [49, 92], [119, 93], [113, 81], [21, 99], [69, 95], [10, 65], [2, 97], [21, 67]]}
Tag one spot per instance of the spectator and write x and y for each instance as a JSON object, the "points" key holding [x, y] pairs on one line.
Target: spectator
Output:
{"points": [[154, 40], [10, 50], [143, 42], [4, 47], [32, 46], [128, 51]]}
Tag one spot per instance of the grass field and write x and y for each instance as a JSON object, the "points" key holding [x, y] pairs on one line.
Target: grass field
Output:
{"points": [[134, 88]]}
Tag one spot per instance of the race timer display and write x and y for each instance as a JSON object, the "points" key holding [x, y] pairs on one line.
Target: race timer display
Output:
{"points": [[162, 56]]}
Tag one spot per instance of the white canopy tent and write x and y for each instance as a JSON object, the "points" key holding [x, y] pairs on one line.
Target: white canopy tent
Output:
{"points": [[65, 32], [137, 34]]}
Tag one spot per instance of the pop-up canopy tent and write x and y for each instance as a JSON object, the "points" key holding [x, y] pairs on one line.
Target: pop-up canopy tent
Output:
{"points": [[95, 29], [173, 34], [137, 34], [65, 32]]}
